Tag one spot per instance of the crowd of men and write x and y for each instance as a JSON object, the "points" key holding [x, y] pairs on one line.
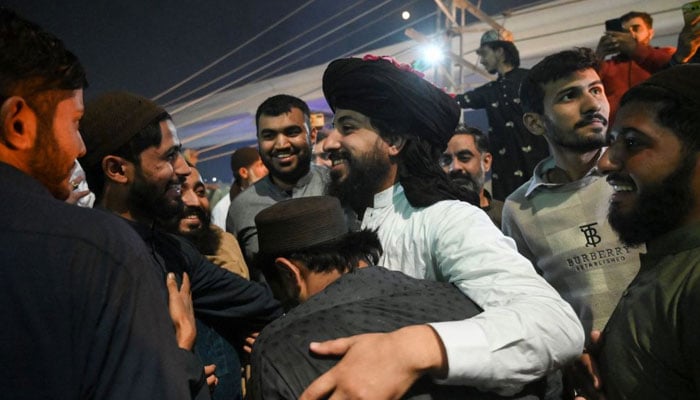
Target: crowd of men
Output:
{"points": [[374, 262]]}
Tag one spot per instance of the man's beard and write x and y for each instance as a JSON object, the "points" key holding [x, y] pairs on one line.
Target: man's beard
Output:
{"points": [[291, 177], [659, 208], [150, 202], [364, 179], [204, 238], [466, 181], [571, 141], [47, 162]]}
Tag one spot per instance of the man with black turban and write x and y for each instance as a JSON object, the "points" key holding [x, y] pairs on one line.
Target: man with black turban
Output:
{"points": [[391, 128]]}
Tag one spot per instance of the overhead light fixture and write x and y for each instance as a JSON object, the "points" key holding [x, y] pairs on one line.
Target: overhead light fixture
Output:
{"points": [[433, 54], [405, 15]]}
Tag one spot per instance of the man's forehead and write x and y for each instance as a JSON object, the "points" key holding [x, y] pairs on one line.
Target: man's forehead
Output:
{"points": [[583, 77], [344, 114], [282, 121], [464, 140]]}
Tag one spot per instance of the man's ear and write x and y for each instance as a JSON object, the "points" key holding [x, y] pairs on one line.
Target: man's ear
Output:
{"points": [[487, 159], [534, 123], [243, 173], [396, 144], [295, 272], [312, 135], [19, 124], [115, 169]]}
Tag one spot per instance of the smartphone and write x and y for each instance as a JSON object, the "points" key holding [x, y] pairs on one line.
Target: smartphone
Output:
{"points": [[614, 24], [691, 11]]}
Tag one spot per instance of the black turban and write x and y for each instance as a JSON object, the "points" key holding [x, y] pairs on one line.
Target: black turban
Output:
{"points": [[381, 89]]}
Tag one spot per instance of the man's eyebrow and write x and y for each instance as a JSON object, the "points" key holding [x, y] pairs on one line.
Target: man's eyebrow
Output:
{"points": [[344, 118]]}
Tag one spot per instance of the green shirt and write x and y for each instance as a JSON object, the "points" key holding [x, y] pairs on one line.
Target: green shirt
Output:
{"points": [[651, 344]]}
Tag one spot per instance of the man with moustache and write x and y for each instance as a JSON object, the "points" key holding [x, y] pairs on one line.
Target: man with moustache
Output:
{"points": [[194, 223], [284, 141], [557, 218], [134, 166], [649, 348], [515, 151], [634, 59], [467, 160], [391, 128], [221, 248], [83, 309]]}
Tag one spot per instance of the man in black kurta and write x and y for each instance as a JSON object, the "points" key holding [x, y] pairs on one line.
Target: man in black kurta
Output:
{"points": [[515, 150], [82, 307], [340, 295]]}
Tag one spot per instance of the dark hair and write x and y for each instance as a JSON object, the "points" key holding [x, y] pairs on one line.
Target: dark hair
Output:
{"points": [[149, 136], [638, 14], [673, 111], [280, 104], [480, 139], [510, 52], [551, 68], [32, 62], [423, 180], [342, 255]]}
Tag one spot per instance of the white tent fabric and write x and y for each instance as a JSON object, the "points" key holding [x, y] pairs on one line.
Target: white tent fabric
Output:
{"points": [[226, 118]]}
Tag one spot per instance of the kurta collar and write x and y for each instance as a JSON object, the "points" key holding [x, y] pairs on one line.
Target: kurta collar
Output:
{"points": [[386, 196], [676, 241]]}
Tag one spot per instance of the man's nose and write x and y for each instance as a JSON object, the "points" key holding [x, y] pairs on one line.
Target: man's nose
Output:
{"points": [[189, 198], [182, 170], [607, 162], [332, 142]]}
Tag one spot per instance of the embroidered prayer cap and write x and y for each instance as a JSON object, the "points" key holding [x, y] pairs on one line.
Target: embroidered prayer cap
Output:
{"points": [[300, 223], [384, 89], [111, 120], [682, 80]]}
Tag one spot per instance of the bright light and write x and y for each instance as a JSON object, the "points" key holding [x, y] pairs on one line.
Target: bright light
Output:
{"points": [[405, 15], [433, 54], [214, 179]]}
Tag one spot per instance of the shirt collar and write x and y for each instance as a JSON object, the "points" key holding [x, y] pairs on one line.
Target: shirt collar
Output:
{"points": [[539, 177]]}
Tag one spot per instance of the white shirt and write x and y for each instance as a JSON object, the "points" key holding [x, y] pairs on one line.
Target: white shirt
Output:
{"points": [[526, 329], [220, 212]]}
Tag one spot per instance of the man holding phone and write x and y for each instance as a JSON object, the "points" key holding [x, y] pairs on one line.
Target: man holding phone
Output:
{"points": [[634, 59]]}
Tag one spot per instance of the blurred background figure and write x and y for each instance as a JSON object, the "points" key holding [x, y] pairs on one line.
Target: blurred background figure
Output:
{"points": [[247, 168]]}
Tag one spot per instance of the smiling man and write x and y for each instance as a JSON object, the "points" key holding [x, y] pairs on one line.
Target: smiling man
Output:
{"points": [[134, 165], [650, 346], [391, 128], [284, 142]]}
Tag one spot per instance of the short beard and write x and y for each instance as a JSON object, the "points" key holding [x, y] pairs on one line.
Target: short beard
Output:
{"points": [[291, 178], [364, 180], [659, 209], [144, 201], [205, 239], [579, 145], [466, 181]]}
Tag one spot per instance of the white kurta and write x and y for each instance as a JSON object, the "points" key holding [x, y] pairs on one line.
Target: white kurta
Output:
{"points": [[526, 329]]}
